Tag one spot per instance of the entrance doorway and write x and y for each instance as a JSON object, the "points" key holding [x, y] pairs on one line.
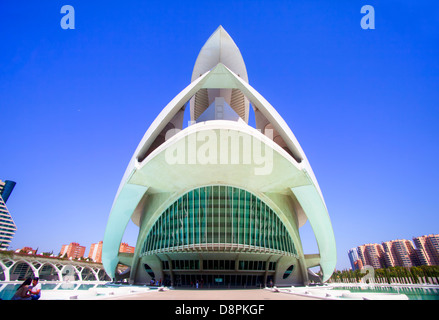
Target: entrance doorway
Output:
{"points": [[219, 280]]}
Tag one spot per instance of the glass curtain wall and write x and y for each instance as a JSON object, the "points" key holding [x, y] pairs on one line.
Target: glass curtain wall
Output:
{"points": [[215, 216]]}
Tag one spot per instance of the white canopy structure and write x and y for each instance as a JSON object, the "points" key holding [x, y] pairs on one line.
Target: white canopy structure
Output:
{"points": [[220, 193]]}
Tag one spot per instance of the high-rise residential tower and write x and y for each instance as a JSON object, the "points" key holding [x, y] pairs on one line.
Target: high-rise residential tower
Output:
{"points": [[220, 201], [95, 253], [372, 254], [73, 250], [126, 248], [427, 248], [355, 260], [399, 253], [7, 224]]}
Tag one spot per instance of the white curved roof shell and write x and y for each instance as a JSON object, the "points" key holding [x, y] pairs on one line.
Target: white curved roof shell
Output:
{"points": [[291, 186], [219, 48]]}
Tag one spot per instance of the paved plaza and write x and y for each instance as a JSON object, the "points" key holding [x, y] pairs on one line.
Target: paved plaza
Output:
{"points": [[212, 294]]}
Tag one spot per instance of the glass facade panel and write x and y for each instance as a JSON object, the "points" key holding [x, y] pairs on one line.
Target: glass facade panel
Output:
{"points": [[288, 271], [218, 216]]}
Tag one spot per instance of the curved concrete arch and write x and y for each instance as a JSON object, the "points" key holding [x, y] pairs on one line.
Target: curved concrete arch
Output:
{"points": [[131, 194], [58, 272], [102, 275], [5, 271], [280, 213], [93, 272], [140, 187], [79, 270], [32, 267], [70, 267], [175, 185], [223, 77], [124, 206]]}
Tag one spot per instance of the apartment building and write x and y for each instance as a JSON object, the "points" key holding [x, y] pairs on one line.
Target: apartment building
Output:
{"points": [[427, 249], [372, 254], [96, 250], [424, 250], [400, 253], [7, 224], [73, 250]]}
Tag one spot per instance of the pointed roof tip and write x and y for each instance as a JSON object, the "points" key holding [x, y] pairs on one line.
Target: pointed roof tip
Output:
{"points": [[220, 47], [219, 29]]}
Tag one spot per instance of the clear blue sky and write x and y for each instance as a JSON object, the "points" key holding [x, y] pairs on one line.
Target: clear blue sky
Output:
{"points": [[364, 105]]}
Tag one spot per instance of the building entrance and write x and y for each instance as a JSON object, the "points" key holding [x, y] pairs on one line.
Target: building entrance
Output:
{"points": [[220, 280]]}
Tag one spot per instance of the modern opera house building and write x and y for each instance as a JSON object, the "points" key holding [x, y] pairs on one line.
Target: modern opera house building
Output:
{"points": [[218, 201]]}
